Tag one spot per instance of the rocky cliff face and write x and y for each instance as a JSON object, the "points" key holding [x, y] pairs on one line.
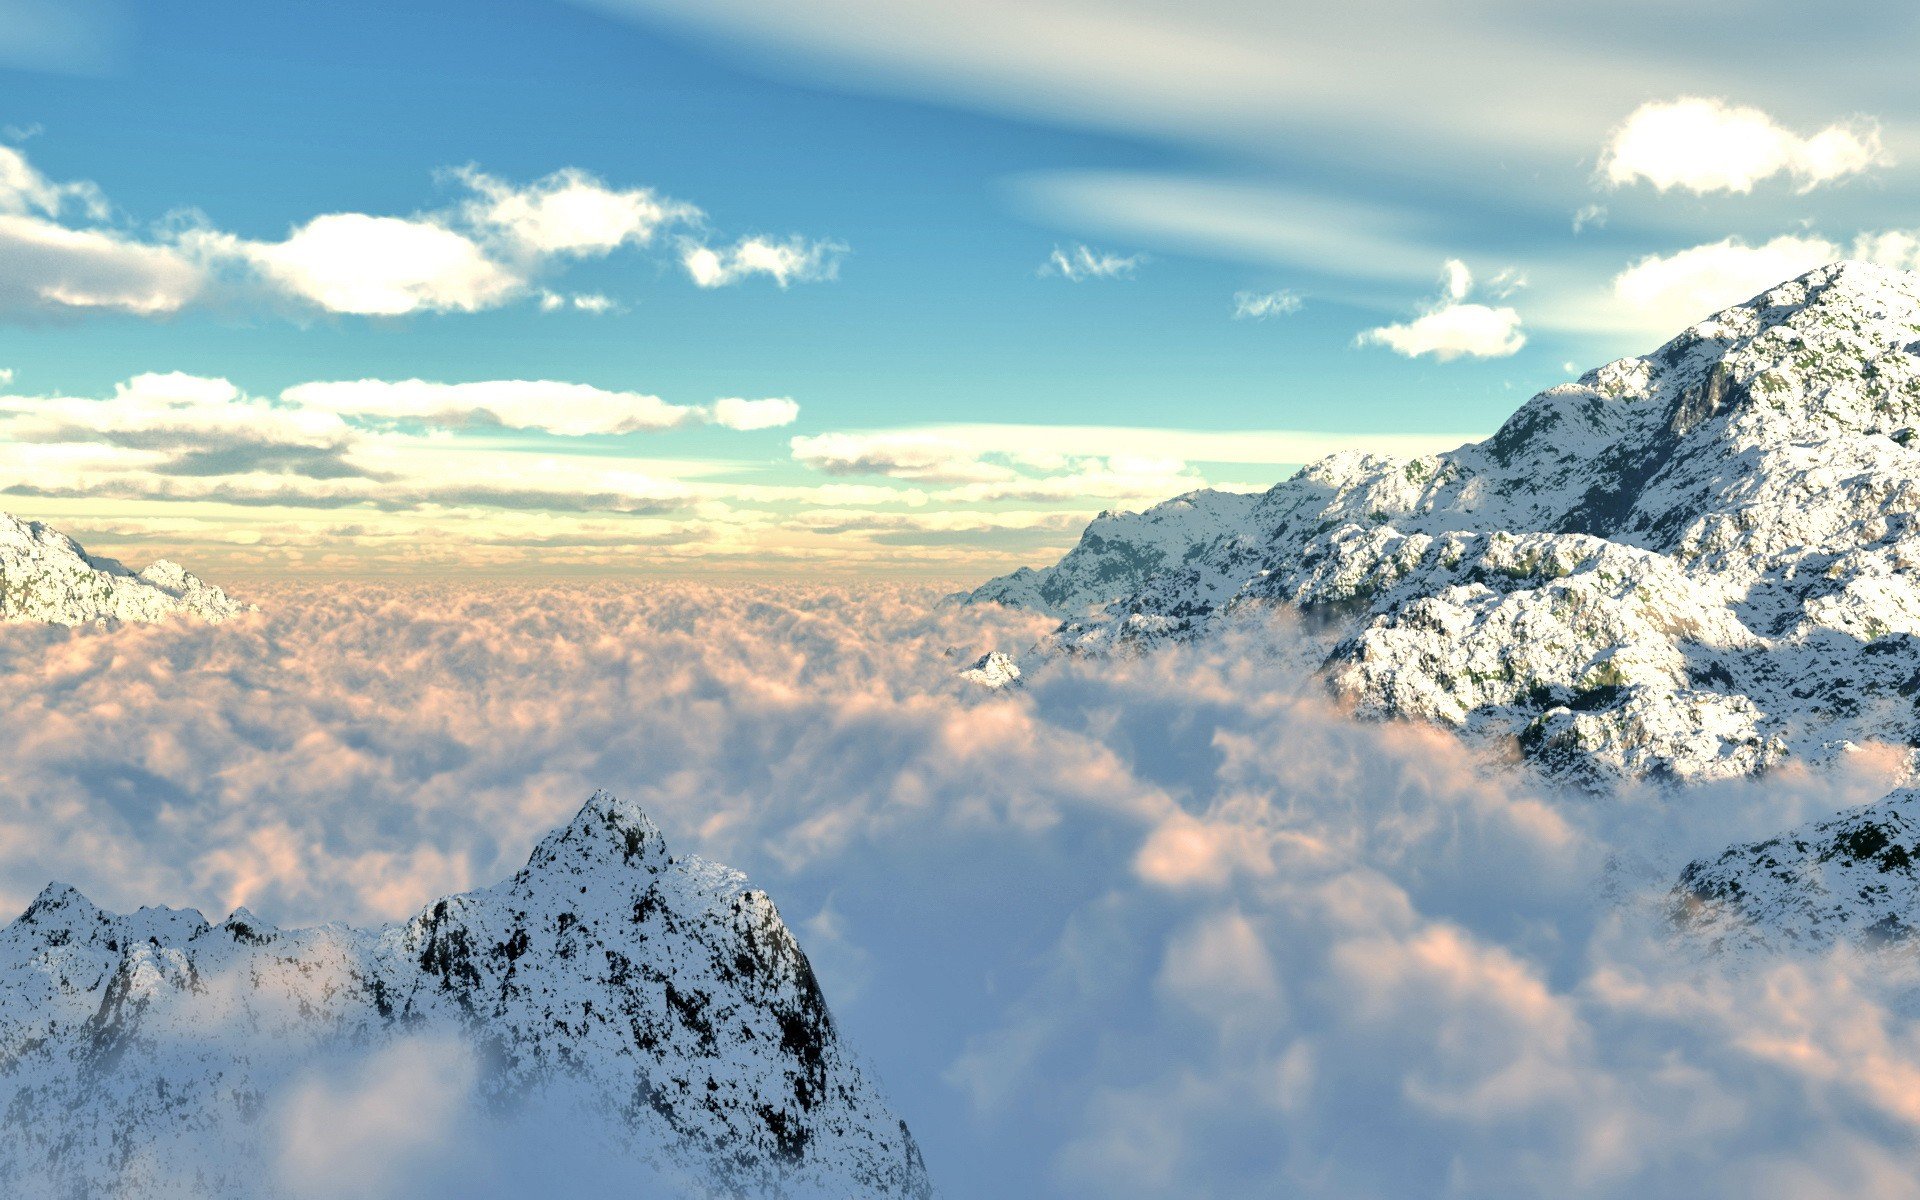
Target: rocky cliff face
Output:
{"points": [[1689, 565], [138, 1053], [47, 576]]}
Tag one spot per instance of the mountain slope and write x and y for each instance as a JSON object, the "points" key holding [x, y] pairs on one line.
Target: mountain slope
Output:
{"points": [[47, 576], [1687, 565], [138, 1053], [1854, 877]]}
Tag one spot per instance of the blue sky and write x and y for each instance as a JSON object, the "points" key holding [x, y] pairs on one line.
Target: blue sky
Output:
{"points": [[925, 164]]}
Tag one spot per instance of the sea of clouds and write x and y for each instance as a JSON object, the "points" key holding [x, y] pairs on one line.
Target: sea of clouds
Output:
{"points": [[1162, 926]]}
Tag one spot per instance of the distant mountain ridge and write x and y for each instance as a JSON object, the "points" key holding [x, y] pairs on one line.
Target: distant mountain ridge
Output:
{"points": [[135, 1050], [47, 576], [1689, 565]]}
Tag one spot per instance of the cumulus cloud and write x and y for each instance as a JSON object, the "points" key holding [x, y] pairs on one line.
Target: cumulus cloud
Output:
{"points": [[1708, 145], [60, 255], [1665, 292], [1258, 306], [381, 266], [795, 260], [587, 302], [736, 412], [50, 268], [569, 212], [1453, 328], [1250, 917], [1077, 264]]}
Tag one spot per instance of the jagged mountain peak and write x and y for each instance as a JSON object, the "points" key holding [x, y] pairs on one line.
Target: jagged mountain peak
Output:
{"points": [[658, 999], [607, 829]]}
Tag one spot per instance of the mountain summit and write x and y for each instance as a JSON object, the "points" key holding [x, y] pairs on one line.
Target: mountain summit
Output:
{"points": [[47, 576], [147, 1055], [1687, 565]]}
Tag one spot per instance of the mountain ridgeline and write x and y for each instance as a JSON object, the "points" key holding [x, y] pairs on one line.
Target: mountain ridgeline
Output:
{"points": [[1691, 565], [48, 577]]}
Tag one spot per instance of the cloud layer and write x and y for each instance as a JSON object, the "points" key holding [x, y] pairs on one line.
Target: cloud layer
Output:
{"points": [[1238, 918]]}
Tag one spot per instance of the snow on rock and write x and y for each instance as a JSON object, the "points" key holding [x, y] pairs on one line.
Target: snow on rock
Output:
{"points": [[993, 670], [1854, 877], [138, 1053], [47, 576], [1689, 565]]}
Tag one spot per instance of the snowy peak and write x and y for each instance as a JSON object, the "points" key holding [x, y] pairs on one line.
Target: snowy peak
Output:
{"points": [[47, 576], [993, 670], [659, 1001], [606, 830]]}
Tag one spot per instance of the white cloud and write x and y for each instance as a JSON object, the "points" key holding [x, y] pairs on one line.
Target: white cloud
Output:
{"points": [[383, 266], [1589, 216], [1452, 328], [486, 252], [46, 267], [1457, 330], [1083, 262], [795, 260], [586, 302], [1676, 290], [1707, 145], [24, 189], [569, 212], [569, 409], [733, 412], [1258, 306]]}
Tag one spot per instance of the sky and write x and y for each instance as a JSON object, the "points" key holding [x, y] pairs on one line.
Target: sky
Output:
{"points": [[855, 288]]}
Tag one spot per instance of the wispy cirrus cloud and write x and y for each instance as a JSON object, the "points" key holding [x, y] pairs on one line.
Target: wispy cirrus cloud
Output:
{"points": [[1259, 306], [1077, 264]]}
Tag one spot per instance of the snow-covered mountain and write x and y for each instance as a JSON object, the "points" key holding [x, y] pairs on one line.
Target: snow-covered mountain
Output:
{"points": [[47, 576], [1688, 565], [1853, 877], [143, 1055]]}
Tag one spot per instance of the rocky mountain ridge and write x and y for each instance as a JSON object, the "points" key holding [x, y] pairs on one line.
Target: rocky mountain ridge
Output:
{"points": [[47, 576], [1689, 565], [139, 1054]]}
